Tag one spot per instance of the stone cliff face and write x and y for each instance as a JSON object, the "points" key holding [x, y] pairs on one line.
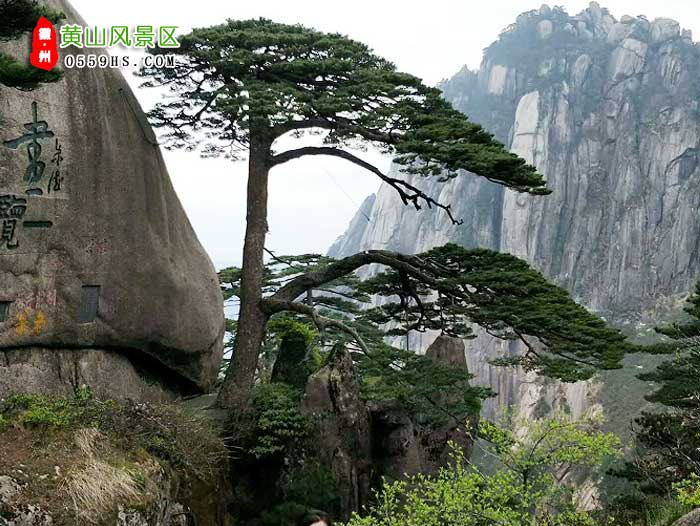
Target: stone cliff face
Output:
{"points": [[364, 443], [100, 269], [607, 110]]}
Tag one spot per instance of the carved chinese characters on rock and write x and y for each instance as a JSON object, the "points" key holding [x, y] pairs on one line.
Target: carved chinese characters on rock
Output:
{"points": [[14, 208], [56, 177], [36, 130]]}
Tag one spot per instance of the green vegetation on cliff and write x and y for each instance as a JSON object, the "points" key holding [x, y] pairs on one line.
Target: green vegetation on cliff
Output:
{"points": [[80, 460], [527, 488]]}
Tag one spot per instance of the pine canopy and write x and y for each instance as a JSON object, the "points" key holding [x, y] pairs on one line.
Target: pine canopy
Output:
{"points": [[271, 78]]}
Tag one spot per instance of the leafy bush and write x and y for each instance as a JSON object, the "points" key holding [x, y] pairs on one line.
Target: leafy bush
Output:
{"points": [[308, 485], [81, 409], [185, 442], [527, 488], [688, 491], [285, 324], [278, 419], [296, 357]]}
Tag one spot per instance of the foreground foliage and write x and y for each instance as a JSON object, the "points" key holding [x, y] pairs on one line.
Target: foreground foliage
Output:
{"points": [[528, 486], [167, 432]]}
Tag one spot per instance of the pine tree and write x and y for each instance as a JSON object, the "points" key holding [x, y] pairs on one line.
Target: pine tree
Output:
{"points": [[668, 442], [446, 289], [242, 85]]}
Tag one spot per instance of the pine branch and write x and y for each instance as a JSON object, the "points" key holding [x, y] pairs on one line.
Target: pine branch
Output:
{"points": [[408, 193]]}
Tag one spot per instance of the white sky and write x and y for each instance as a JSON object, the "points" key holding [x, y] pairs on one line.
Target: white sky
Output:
{"points": [[312, 200]]}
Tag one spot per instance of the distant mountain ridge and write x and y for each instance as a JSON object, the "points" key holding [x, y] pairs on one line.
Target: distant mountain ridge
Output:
{"points": [[608, 111]]}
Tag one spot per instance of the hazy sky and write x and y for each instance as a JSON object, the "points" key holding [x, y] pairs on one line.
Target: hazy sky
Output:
{"points": [[312, 200]]}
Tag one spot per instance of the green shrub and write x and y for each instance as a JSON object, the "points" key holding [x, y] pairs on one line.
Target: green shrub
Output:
{"points": [[296, 357], [278, 419], [167, 432], [527, 487], [688, 491], [187, 443], [79, 410], [293, 366], [308, 485]]}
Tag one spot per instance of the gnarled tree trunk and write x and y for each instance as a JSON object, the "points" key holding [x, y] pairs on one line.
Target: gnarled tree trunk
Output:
{"points": [[240, 376]]}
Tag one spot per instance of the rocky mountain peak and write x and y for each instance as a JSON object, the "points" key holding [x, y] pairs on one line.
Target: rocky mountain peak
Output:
{"points": [[607, 109], [596, 22]]}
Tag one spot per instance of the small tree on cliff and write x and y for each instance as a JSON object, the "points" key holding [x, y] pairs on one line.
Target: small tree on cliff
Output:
{"points": [[242, 85], [526, 485]]}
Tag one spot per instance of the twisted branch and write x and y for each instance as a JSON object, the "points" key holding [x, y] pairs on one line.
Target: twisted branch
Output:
{"points": [[407, 192]]}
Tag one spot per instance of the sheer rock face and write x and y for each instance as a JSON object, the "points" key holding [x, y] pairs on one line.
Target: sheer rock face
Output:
{"points": [[607, 110], [332, 400], [107, 217]]}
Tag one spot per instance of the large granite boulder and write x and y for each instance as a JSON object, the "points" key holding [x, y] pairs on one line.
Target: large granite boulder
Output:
{"points": [[96, 253]]}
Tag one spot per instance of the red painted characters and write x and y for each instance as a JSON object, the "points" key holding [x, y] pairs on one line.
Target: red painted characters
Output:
{"points": [[44, 45]]}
